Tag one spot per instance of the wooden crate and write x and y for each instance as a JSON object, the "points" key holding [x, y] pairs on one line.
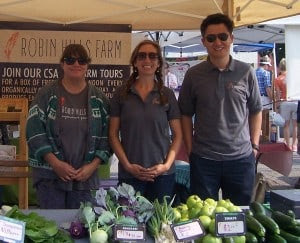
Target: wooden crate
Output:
{"points": [[18, 110], [14, 105]]}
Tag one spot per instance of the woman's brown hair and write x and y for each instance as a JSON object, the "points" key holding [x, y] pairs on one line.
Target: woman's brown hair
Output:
{"points": [[158, 73], [75, 50]]}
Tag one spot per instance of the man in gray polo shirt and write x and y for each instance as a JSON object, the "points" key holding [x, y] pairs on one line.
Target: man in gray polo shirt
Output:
{"points": [[223, 95]]}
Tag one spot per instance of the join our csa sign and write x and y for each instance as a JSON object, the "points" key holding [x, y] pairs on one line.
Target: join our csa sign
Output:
{"points": [[31, 52]]}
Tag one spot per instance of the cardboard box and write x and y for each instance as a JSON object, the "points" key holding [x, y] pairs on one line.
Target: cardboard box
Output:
{"points": [[7, 152], [284, 200]]}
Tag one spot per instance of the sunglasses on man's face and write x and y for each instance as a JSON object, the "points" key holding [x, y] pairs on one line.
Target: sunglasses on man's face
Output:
{"points": [[143, 55], [72, 60], [220, 36]]}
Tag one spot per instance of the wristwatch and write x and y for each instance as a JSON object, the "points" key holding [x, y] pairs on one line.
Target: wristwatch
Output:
{"points": [[255, 146]]}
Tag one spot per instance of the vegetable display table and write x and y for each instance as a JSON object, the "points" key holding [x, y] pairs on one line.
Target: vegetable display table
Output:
{"points": [[62, 216]]}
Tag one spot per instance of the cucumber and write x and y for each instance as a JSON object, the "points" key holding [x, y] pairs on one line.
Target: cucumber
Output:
{"points": [[283, 220], [251, 238], [248, 212], [275, 239], [254, 226], [257, 207], [269, 224], [290, 238], [261, 239], [295, 230], [291, 214]]}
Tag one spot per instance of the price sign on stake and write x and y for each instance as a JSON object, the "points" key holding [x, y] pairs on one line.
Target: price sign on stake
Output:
{"points": [[129, 233], [11, 230], [230, 224], [188, 230]]}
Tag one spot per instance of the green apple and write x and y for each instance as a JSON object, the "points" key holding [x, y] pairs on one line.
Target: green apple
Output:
{"points": [[183, 219], [223, 203], [211, 239], [205, 221], [195, 211], [184, 210], [210, 201], [212, 227], [234, 209], [229, 202], [207, 210], [193, 200], [177, 215], [219, 210], [228, 240], [239, 239]]}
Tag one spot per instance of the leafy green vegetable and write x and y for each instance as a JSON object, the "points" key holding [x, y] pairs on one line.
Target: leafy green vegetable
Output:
{"points": [[121, 205], [39, 229]]}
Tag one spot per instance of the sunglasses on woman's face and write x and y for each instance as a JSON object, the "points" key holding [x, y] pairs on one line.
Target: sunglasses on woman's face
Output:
{"points": [[72, 60], [221, 36], [143, 55]]}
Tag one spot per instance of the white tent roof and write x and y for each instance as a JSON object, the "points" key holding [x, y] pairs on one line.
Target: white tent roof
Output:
{"points": [[145, 14]]}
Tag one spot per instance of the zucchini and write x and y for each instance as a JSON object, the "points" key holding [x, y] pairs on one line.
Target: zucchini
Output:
{"points": [[254, 226], [257, 207], [290, 238], [283, 220], [295, 230], [275, 238], [250, 237], [269, 224]]}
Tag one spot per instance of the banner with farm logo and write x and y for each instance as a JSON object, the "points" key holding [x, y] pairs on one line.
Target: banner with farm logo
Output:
{"points": [[30, 55]]}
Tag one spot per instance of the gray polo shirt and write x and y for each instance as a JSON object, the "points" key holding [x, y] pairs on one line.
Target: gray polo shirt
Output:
{"points": [[221, 102], [144, 126]]}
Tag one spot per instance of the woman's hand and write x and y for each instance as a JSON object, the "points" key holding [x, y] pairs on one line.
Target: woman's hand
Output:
{"points": [[140, 172], [158, 170]]}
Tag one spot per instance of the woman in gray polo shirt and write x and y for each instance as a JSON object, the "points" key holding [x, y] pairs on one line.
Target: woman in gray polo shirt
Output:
{"points": [[142, 111]]}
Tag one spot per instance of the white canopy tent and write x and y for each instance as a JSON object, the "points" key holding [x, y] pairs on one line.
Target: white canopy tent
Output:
{"points": [[145, 14]]}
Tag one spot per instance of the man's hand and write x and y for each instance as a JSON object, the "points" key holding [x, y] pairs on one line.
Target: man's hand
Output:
{"points": [[85, 172]]}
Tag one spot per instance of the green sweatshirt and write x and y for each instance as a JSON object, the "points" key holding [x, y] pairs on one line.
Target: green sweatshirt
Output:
{"points": [[40, 134]]}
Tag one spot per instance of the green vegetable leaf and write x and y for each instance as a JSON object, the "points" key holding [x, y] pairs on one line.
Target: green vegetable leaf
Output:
{"points": [[126, 191], [88, 214], [126, 220], [106, 218], [100, 198]]}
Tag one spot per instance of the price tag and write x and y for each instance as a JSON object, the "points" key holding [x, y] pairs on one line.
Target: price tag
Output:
{"points": [[11, 230], [129, 233], [188, 230], [230, 224]]}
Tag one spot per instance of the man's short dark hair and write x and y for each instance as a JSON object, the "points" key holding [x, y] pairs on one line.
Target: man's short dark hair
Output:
{"points": [[216, 19]]}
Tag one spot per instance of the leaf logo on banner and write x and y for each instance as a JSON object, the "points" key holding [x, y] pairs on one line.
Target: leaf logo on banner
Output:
{"points": [[10, 44]]}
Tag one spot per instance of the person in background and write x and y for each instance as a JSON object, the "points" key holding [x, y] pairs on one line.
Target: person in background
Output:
{"points": [[170, 78], [264, 82], [67, 135], [224, 96], [288, 109], [297, 185], [142, 111]]}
